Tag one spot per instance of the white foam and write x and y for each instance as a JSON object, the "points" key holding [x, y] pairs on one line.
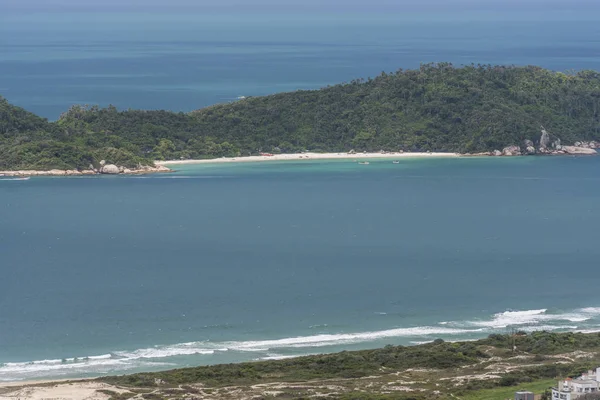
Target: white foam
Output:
{"points": [[590, 310], [102, 357], [276, 357], [548, 328], [182, 349], [534, 317], [16, 371], [597, 330], [347, 338]]}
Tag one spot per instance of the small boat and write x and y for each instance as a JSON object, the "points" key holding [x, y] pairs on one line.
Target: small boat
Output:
{"points": [[364, 163], [395, 162], [24, 178]]}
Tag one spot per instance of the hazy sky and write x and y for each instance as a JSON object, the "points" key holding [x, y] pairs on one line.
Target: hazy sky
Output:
{"points": [[285, 5]]}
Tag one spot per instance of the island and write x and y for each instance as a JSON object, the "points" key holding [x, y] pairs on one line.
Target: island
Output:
{"points": [[439, 108]]}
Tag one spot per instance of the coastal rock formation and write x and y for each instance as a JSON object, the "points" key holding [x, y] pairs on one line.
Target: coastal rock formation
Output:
{"points": [[496, 153], [511, 150], [142, 169], [556, 145], [588, 145], [544, 140], [147, 168], [529, 148], [579, 150], [109, 169]]}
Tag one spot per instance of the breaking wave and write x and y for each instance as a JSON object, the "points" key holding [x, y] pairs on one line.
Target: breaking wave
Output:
{"points": [[535, 317], [164, 357]]}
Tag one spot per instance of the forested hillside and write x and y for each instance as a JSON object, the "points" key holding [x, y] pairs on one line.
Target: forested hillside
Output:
{"points": [[438, 107]]}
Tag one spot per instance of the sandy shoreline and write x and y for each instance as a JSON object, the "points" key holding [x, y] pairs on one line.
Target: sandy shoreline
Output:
{"points": [[309, 156]]}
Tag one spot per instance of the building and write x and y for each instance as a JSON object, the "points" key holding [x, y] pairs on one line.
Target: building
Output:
{"points": [[571, 389], [524, 396]]}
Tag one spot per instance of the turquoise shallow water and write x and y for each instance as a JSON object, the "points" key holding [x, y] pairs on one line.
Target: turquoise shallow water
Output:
{"points": [[230, 262], [187, 60]]}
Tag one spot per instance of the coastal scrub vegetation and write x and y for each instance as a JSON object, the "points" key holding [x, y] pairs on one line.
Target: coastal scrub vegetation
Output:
{"points": [[437, 107], [347, 365]]}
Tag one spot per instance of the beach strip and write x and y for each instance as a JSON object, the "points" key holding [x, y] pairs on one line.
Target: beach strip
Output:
{"points": [[309, 156]]}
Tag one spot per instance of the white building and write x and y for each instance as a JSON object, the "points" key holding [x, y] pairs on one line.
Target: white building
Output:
{"points": [[571, 389]]}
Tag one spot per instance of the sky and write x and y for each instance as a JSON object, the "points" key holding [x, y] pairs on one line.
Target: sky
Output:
{"points": [[285, 5]]}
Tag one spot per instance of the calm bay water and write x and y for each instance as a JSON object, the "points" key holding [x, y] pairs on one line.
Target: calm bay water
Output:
{"points": [[184, 61], [221, 263]]}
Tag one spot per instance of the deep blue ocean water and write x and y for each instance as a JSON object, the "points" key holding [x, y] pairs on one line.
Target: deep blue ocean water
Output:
{"points": [[229, 262], [187, 60]]}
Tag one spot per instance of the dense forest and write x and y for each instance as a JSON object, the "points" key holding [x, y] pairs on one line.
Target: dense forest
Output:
{"points": [[437, 107]]}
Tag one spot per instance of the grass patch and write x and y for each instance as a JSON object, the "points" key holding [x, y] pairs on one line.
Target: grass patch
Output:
{"points": [[503, 393]]}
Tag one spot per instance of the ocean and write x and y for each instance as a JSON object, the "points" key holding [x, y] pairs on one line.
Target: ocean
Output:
{"points": [[220, 263], [232, 262], [183, 61]]}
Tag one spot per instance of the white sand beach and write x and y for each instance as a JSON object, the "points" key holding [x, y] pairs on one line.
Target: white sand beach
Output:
{"points": [[309, 156]]}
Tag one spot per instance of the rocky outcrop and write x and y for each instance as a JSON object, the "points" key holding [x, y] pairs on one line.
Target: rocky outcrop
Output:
{"points": [[142, 169], [579, 150], [588, 145], [553, 145], [544, 140], [148, 169], [496, 153], [556, 145], [511, 151], [528, 147], [110, 169]]}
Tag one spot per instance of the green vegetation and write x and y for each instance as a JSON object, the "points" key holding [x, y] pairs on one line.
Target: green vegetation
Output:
{"points": [[437, 107], [503, 393], [339, 365], [489, 368], [545, 343]]}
